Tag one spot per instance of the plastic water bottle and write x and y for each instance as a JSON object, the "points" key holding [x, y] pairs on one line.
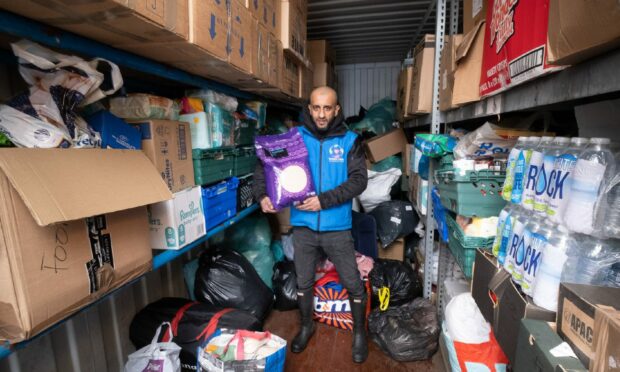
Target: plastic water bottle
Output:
{"points": [[536, 240], [558, 191], [510, 167], [547, 178], [611, 227], [506, 233], [547, 283], [501, 220], [533, 170], [594, 167], [532, 227], [521, 164], [515, 241], [590, 260]]}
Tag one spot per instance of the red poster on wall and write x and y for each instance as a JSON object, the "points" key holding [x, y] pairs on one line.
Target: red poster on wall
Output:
{"points": [[514, 44]]}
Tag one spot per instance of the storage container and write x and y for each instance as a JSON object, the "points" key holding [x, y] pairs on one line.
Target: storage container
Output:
{"points": [[463, 247], [212, 165], [220, 202], [244, 192], [245, 161], [245, 130]]}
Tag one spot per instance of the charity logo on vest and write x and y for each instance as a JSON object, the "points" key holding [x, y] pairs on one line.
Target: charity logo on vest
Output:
{"points": [[336, 154]]}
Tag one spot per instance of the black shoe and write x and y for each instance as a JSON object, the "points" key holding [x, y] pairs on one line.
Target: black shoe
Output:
{"points": [[305, 300], [360, 345]]}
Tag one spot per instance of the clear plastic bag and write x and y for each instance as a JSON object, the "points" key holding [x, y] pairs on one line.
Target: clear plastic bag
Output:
{"points": [[228, 103]]}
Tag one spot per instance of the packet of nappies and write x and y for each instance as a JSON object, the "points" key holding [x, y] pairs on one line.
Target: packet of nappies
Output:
{"points": [[287, 171]]}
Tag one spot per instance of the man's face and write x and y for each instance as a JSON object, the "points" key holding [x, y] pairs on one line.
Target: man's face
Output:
{"points": [[323, 108]]}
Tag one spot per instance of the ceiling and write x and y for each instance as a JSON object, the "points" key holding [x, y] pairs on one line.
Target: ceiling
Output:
{"points": [[364, 31]]}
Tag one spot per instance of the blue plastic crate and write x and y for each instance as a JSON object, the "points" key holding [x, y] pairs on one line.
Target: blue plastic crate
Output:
{"points": [[220, 202]]}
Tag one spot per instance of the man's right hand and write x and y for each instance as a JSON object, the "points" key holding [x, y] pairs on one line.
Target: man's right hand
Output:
{"points": [[266, 206]]}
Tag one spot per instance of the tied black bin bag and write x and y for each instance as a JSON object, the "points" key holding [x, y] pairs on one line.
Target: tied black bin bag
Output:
{"points": [[191, 323], [408, 332], [227, 279], [285, 285], [395, 219], [399, 278]]}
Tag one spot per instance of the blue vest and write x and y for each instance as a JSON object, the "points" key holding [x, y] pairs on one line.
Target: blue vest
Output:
{"points": [[328, 164]]}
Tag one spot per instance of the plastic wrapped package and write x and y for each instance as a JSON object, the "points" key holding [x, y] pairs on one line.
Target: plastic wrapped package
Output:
{"points": [[226, 279], [378, 119], [402, 283], [190, 105], [388, 163], [256, 110], [484, 141], [222, 123], [434, 145], [465, 322], [395, 219], [285, 285], [408, 332], [378, 188], [227, 103], [287, 170], [144, 106]]}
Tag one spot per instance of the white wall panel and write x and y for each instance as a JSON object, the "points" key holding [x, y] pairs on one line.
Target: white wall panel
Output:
{"points": [[366, 83]]}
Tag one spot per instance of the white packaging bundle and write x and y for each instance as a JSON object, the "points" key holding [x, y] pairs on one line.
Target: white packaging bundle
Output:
{"points": [[484, 141], [378, 188]]}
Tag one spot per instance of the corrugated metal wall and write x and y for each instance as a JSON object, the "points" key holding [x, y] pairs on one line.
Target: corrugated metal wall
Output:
{"points": [[366, 83]]}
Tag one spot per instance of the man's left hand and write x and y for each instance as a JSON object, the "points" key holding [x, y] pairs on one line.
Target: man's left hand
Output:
{"points": [[312, 204]]}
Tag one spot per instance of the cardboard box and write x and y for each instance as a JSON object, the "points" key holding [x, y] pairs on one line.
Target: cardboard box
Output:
{"points": [[474, 11], [579, 30], [577, 306], [448, 67], [290, 76], [501, 303], [241, 27], [422, 82], [536, 340], [468, 67], [405, 81], [293, 27], [168, 144], [394, 251], [380, 147], [514, 44], [176, 223], [114, 22], [115, 132], [306, 82], [606, 339], [319, 51], [260, 52], [273, 20], [324, 75], [210, 26], [68, 235], [276, 60]]}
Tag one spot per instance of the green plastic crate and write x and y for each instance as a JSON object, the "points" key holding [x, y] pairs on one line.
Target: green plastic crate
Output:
{"points": [[463, 256], [212, 165], [472, 193], [245, 161], [467, 241], [245, 131]]}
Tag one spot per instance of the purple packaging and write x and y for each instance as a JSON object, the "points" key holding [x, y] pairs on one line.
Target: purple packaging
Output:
{"points": [[287, 171]]}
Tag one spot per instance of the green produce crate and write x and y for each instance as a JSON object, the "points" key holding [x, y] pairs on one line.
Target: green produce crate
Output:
{"points": [[212, 165], [245, 161], [245, 131], [465, 240], [472, 193]]}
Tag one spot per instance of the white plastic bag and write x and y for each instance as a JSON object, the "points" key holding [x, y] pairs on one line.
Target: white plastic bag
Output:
{"points": [[26, 131], [484, 141], [156, 357], [379, 187], [465, 322]]}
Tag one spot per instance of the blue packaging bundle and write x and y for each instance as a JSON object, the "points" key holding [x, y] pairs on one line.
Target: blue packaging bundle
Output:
{"points": [[435, 145], [440, 215], [115, 132]]}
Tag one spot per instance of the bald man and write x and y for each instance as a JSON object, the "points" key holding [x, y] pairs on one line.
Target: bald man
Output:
{"points": [[322, 223]]}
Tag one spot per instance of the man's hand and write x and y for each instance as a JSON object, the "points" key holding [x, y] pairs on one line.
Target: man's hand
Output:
{"points": [[266, 206], [312, 204]]}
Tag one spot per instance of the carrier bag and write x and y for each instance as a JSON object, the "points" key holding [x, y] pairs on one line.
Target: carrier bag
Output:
{"points": [[156, 356], [285, 285], [331, 302]]}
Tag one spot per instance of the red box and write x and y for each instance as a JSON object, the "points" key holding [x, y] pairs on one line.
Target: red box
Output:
{"points": [[514, 44]]}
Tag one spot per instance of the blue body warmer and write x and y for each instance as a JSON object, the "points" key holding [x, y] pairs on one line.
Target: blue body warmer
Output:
{"points": [[328, 164]]}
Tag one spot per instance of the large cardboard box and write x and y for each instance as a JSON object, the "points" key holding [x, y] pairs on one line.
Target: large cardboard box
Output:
{"points": [[380, 147], [501, 303], [579, 30], [474, 11], [293, 27], [168, 144], [448, 67], [72, 228], [324, 75], [422, 83], [514, 44], [176, 223], [468, 67], [606, 340], [320, 51], [210, 26], [114, 22], [394, 251], [405, 81], [276, 61], [241, 27], [290, 76], [272, 16], [306, 82], [577, 307], [260, 52]]}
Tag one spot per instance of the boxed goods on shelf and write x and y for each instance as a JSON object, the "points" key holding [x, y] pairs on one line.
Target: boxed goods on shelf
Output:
{"points": [[293, 14], [267, 12], [245, 160], [212, 165], [290, 76], [168, 145], [276, 61], [244, 192], [177, 222], [306, 81], [319, 51], [220, 202], [606, 339], [381, 147], [240, 40], [474, 11], [86, 235], [115, 132], [468, 67], [422, 82], [448, 67], [324, 75], [210, 27], [260, 52], [404, 93]]}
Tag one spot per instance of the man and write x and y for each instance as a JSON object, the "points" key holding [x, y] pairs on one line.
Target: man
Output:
{"points": [[322, 223]]}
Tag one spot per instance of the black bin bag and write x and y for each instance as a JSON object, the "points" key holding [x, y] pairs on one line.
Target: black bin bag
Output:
{"points": [[227, 279], [395, 219], [285, 285], [406, 333], [190, 327], [402, 281]]}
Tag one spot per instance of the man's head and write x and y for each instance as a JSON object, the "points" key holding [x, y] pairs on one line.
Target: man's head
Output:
{"points": [[323, 106]]}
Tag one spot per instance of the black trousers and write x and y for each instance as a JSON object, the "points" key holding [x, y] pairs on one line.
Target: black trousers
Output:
{"points": [[338, 246]]}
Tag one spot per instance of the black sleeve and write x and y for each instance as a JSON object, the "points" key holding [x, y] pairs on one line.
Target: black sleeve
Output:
{"points": [[356, 182], [259, 189]]}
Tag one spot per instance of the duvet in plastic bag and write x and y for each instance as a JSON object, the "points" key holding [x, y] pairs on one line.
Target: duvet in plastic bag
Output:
{"points": [[408, 332], [484, 141], [287, 170], [378, 188], [228, 103], [226, 279], [285, 285], [144, 106], [394, 283], [395, 219]]}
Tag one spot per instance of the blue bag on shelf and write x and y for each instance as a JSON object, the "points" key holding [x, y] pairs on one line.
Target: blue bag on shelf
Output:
{"points": [[115, 132], [435, 145], [440, 215]]}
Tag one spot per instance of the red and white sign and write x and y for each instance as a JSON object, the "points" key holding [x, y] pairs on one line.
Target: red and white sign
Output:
{"points": [[514, 44]]}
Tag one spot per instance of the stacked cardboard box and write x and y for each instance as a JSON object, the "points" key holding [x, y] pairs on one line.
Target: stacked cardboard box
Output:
{"points": [[323, 59], [405, 80], [448, 67], [293, 15], [468, 67], [422, 81], [290, 76], [474, 12]]}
